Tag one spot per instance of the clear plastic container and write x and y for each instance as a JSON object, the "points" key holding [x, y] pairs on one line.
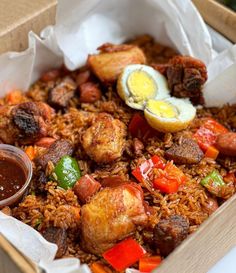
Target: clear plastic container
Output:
{"points": [[14, 153]]}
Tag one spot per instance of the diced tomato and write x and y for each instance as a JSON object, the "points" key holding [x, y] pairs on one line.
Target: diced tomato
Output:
{"points": [[30, 151], [98, 267], [139, 127], [229, 177], [166, 185], [124, 254], [51, 75], [14, 97], [206, 135], [211, 152], [142, 171], [147, 264]]}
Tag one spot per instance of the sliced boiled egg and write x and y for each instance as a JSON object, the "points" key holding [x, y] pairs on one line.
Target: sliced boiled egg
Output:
{"points": [[169, 115], [139, 83]]}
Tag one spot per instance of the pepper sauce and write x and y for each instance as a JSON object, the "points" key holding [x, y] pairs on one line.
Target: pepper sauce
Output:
{"points": [[12, 177]]}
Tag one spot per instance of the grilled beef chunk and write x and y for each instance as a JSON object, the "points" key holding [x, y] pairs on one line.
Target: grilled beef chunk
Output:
{"points": [[61, 94], [57, 150], [169, 233], [24, 123], [57, 236], [187, 152], [40, 181]]}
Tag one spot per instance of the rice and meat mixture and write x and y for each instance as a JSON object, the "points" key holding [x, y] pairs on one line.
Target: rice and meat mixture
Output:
{"points": [[127, 180]]}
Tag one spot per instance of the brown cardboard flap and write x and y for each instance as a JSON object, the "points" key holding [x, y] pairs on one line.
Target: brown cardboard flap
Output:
{"points": [[219, 17], [17, 18]]}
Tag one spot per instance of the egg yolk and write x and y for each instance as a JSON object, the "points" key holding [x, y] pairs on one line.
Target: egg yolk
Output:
{"points": [[162, 108], [141, 85]]}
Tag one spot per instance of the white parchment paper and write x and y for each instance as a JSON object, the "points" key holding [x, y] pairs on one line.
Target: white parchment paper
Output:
{"points": [[82, 26]]}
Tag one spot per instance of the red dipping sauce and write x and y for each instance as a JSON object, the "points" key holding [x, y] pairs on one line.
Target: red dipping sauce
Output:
{"points": [[15, 174], [12, 177]]}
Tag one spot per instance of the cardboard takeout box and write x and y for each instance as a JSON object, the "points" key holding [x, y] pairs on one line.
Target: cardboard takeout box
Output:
{"points": [[217, 235]]}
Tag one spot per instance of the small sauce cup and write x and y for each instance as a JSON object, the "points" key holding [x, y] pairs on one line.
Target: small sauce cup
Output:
{"points": [[16, 156]]}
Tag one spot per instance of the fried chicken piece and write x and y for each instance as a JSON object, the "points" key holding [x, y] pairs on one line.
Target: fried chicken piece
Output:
{"points": [[104, 141], [24, 123], [111, 216], [113, 58], [186, 76]]}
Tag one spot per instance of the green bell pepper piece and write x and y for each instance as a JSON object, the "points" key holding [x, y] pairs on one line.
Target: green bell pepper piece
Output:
{"points": [[214, 179], [67, 172]]}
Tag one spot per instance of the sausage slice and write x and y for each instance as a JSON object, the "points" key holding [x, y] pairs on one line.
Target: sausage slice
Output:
{"points": [[226, 144]]}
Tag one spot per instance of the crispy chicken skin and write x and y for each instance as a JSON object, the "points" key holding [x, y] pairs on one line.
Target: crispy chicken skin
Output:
{"points": [[108, 65], [104, 141], [186, 76], [24, 123], [112, 215]]}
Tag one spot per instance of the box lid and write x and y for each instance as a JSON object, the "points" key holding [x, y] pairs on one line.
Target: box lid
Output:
{"points": [[17, 18]]}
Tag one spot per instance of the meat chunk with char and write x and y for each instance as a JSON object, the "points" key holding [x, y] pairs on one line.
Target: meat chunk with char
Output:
{"points": [[186, 76], [24, 123], [169, 233], [55, 152], [186, 152], [104, 140], [111, 216], [60, 95], [57, 236]]}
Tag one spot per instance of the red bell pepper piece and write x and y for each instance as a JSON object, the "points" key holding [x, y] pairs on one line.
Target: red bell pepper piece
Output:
{"points": [[147, 264], [124, 254], [211, 152], [166, 185], [215, 126], [206, 135], [170, 179], [139, 127], [142, 171], [167, 180], [173, 172]]}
